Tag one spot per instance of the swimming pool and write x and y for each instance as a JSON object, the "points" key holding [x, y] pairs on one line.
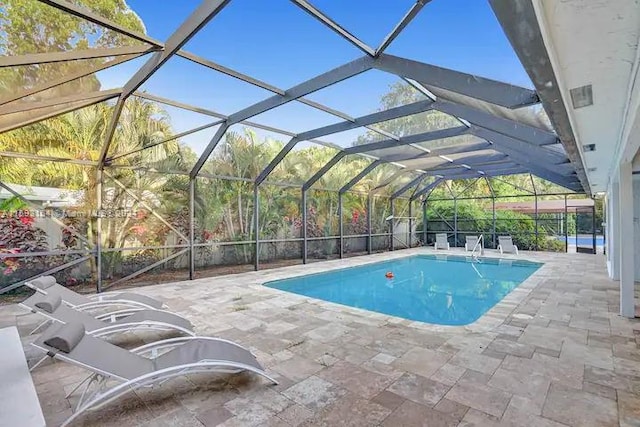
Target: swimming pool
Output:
{"points": [[445, 290]]}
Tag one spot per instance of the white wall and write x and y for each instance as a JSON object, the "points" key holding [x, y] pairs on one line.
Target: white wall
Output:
{"points": [[636, 224]]}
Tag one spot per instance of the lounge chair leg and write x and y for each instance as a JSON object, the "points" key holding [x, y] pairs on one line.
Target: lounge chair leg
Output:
{"points": [[94, 377], [46, 322], [78, 386], [38, 363]]}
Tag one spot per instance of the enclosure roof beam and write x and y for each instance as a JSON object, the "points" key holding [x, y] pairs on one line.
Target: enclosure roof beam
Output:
{"points": [[177, 104], [165, 140], [407, 140], [263, 85], [488, 90], [530, 156], [331, 24], [390, 180], [329, 78], [530, 46], [216, 114], [508, 127], [210, 147], [427, 189], [29, 119], [514, 170], [454, 149], [356, 179], [319, 82], [414, 182], [511, 184], [464, 190], [541, 155], [318, 175], [527, 156], [207, 10], [406, 19], [19, 107], [65, 79], [85, 13], [229, 72], [480, 168], [72, 55], [377, 117], [469, 161], [36, 157], [541, 170]]}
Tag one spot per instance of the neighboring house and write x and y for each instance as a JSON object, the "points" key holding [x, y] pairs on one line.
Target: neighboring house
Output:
{"points": [[45, 197]]}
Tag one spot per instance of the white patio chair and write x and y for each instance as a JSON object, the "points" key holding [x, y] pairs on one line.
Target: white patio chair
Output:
{"points": [[470, 243], [442, 242], [505, 245]]}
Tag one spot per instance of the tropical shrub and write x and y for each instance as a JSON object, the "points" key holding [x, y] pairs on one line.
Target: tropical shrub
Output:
{"points": [[19, 235]]}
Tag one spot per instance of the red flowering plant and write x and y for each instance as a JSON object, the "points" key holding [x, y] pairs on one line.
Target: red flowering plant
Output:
{"points": [[314, 229], [19, 235], [358, 224]]}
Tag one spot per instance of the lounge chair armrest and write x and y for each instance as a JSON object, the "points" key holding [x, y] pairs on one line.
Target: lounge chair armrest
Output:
{"points": [[117, 314], [97, 305]]}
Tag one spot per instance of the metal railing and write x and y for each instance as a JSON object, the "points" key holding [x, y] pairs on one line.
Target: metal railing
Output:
{"points": [[479, 244]]}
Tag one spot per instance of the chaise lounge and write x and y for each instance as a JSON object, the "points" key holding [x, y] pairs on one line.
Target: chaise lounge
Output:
{"points": [[106, 324], [145, 366], [47, 285]]}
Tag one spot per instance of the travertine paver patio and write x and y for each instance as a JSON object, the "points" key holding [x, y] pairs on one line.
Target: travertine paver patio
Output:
{"points": [[554, 352]]}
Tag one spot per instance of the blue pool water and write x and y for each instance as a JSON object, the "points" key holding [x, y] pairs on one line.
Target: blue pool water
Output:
{"points": [[424, 288], [583, 240]]}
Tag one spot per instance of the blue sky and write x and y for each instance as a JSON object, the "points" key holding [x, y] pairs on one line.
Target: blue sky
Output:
{"points": [[280, 44]]}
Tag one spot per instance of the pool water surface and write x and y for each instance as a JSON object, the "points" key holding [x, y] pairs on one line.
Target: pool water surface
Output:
{"points": [[445, 290]]}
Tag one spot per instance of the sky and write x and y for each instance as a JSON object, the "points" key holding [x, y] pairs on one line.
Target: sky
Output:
{"points": [[277, 42]]}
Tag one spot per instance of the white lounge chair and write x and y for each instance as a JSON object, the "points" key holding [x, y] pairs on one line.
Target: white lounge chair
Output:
{"points": [[144, 366], [471, 242], [505, 245], [47, 285], [442, 242], [105, 324]]}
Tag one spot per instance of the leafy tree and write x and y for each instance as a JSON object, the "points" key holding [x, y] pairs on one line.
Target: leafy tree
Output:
{"points": [[34, 27]]}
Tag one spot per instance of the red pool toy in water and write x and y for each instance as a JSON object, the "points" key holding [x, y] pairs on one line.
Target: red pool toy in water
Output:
{"points": [[389, 275]]}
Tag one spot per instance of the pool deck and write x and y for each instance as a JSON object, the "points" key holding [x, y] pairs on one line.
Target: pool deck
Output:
{"points": [[554, 352]]}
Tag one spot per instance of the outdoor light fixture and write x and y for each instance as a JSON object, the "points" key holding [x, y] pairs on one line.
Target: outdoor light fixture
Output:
{"points": [[581, 96]]}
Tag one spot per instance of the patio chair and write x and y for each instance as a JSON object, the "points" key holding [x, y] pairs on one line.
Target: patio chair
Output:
{"points": [[471, 242], [441, 242], [505, 245], [47, 285], [145, 366], [105, 324]]}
